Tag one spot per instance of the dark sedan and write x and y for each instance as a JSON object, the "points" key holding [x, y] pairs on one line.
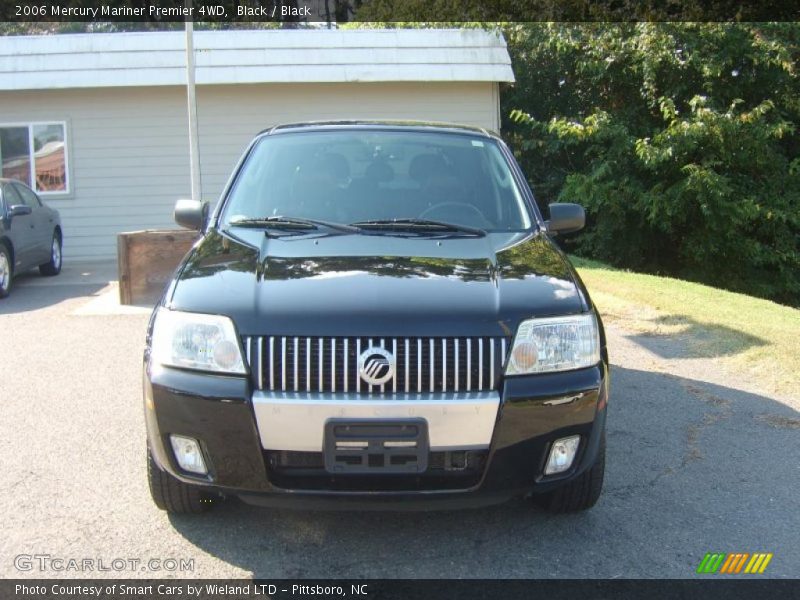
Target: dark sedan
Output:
{"points": [[30, 234]]}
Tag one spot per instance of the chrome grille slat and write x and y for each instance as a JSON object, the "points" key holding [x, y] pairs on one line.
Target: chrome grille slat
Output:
{"points": [[431, 378], [480, 363], [283, 364], [261, 363], [491, 362], [457, 369], [333, 364], [358, 353], [346, 376], [444, 364], [296, 357], [408, 373], [308, 364], [394, 376], [469, 364], [320, 363], [419, 365], [271, 363], [330, 364]]}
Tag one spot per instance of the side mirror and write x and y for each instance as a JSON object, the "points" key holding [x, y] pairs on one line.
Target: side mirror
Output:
{"points": [[17, 210], [190, 214], [566, 217]]}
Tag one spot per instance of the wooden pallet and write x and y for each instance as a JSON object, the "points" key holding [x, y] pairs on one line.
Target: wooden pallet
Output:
{"points": [[147, 260]]}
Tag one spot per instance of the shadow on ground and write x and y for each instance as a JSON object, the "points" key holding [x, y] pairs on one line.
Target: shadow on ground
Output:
{"points": [[695, 340], [25, 297], [691, 468], [31, 291]]}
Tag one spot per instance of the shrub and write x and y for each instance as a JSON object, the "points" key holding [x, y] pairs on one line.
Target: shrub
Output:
{"points": [[680, 140]]}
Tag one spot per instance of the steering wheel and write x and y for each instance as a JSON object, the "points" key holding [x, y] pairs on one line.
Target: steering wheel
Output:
{"points": [[465, 214]]}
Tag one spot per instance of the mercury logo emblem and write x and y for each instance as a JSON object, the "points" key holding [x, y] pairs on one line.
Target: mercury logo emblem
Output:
{"points": [[376, 365]]}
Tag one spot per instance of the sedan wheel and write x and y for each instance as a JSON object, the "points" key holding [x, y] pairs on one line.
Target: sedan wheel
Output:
{"points": [[54, 266], [5, 272]]}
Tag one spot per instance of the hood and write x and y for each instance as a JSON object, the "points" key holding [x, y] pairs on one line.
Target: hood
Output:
{"points": [[373, 285]]}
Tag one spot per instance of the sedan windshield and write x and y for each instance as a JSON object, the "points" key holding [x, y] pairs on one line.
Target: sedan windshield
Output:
{"points": [[368, 176]]}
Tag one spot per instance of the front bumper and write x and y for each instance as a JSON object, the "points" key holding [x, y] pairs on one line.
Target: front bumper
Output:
{"points": [[529, 414]]}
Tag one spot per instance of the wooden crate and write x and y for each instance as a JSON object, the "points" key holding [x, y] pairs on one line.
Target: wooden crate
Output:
{"points": [[146, 261]]}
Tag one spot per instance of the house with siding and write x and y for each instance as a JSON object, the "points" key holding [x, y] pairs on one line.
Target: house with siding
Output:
{"points": [[98, 123]]}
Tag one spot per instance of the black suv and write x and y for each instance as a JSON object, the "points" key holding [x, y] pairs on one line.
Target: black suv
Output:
{"points": [[376, 315]]}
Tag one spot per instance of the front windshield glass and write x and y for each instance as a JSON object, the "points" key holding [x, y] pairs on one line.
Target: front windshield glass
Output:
{"points": [[360, 175]]}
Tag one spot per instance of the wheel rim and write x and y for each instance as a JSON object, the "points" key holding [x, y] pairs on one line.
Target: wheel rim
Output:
{"points": [[5, 272], [56, 253]]}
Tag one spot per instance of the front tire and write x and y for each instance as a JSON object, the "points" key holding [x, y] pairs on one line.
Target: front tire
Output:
{"points": [[6, 271], [171, 494], [581, 493], [53, 267]]}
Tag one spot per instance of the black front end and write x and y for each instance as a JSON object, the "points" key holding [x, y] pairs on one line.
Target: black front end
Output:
{"points": [[411, 336], [534, 411]]}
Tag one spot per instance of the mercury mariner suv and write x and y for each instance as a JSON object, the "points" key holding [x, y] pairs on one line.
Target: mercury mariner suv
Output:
{"points": [[376, 315]]}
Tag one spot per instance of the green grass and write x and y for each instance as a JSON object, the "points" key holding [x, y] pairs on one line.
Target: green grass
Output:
{"points": [[756, 338]]}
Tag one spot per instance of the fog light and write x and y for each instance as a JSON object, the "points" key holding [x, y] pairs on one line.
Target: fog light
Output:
{"points": [[562, 454], [188, 454]]}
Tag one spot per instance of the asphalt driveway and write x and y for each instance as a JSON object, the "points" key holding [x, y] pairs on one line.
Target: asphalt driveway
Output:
{"points": [[695, 464]]}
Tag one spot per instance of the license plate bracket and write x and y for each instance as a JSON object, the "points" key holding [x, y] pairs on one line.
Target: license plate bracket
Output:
{"points": [[376, 446]]}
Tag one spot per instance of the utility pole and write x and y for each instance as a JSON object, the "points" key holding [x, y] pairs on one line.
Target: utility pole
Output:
{"points": [[194, 145]]}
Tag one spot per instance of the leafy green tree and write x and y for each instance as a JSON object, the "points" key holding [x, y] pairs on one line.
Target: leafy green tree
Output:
{"points": [[680, 139]]}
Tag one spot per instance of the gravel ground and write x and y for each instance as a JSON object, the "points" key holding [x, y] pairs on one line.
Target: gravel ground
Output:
{"points": [[695, 464]]}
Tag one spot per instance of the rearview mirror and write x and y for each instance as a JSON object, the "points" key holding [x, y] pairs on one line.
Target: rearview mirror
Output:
{"points": [[566, 217], [17, 210], [190, 214]]}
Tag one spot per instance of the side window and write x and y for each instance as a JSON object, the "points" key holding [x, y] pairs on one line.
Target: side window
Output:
{"points": [[28, 197], [11, 196], [36, 154]]}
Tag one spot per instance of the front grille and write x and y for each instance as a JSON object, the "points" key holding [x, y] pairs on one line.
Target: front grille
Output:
{"points": [[451, 460], [330, 364], [448, 470]]}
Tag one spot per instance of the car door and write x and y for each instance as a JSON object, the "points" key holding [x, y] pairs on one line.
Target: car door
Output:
{"points": [[42, 228], [21, 230]]}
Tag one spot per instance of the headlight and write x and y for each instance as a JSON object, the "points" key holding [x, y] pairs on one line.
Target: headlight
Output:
{"points": [[196, 341], [555, 344]]}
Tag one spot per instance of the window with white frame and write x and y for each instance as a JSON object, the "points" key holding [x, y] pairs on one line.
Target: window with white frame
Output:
{"points": [[36, 154]]}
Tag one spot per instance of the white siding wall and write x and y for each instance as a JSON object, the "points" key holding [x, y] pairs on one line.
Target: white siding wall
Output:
{"points": [[257, 56], [128, 147]]}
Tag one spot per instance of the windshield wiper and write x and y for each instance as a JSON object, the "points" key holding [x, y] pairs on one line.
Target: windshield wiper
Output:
{"points": [[417, 225], [292, 223]]}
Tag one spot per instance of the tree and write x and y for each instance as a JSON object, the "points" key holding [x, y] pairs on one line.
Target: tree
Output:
{"points": [[680, 139]]}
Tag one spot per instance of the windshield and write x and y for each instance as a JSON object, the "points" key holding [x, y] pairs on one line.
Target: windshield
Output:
{"points": [[355, 176]]}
